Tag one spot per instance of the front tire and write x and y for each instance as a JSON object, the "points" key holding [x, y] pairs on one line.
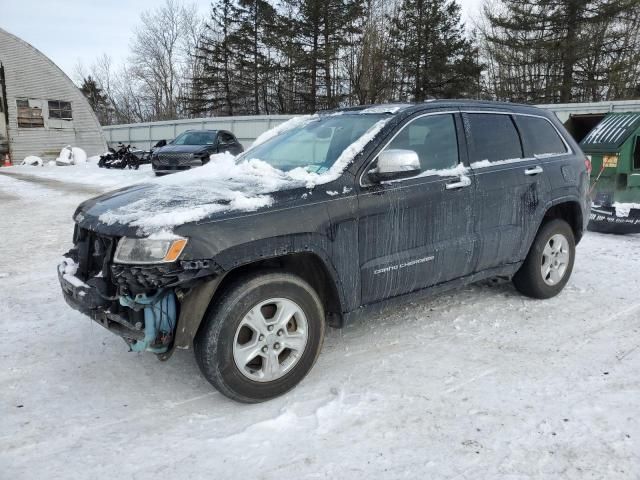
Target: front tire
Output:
{"points": [[261, 337], [549, 264]]}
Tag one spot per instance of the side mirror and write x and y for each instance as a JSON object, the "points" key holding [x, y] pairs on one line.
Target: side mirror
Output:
{"points": [[161, 143], [395, 163]]}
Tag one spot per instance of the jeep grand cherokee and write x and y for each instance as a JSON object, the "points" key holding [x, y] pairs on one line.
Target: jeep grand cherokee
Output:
{"points": [[330, 216]]}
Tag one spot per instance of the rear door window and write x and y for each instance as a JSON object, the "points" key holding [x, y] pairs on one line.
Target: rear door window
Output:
{"points": [[493, 137], [539, 137]]}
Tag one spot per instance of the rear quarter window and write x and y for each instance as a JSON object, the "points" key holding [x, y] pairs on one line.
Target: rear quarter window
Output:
{"points": [[539, 137], [493, 137]]}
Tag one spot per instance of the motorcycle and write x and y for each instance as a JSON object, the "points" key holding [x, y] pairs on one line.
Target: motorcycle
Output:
{"points": [[121, 158]]}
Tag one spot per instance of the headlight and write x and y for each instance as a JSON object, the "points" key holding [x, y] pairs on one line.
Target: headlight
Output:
{"points": [[148, 250]]}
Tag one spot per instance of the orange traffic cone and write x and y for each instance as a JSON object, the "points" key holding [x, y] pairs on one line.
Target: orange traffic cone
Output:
{"points": [[7, 161]]}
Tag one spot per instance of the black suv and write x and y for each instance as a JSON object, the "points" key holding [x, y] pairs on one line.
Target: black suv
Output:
{"points": [[193, 149], [336, 215]]}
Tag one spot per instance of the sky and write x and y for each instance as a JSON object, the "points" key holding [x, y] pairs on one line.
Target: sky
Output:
{"points": [[78, 31]]}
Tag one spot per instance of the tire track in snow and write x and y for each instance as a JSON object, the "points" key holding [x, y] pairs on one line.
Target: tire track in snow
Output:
{"points": [[56, 185]]}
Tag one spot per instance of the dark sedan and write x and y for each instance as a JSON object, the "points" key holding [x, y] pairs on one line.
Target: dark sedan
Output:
{"points": [[192, 149]]}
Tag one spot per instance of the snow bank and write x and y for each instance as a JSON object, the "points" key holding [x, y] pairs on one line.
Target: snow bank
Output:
{"points": [[223, 184], [33, 161]]}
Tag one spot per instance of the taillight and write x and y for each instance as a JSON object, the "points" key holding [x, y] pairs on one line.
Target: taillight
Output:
{"points": [[587, 163]]}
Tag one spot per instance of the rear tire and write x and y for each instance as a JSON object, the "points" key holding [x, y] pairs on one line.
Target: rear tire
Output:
{"points": [[251, 346], [549, 264]]}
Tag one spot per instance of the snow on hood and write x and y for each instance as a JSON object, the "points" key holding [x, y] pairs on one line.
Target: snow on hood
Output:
{"points": [[221, 185]]}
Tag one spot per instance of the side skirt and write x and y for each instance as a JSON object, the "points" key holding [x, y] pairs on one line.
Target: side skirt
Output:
{"points": [[378, 307]]}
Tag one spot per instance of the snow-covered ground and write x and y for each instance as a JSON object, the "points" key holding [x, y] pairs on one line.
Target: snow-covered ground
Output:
{"points": [[83, 175], [478, 383]]}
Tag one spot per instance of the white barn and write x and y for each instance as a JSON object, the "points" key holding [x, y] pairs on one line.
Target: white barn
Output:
{"points": [[41, 110]]}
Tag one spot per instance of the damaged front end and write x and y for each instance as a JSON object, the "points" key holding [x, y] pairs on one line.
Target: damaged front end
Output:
{"points": [[139, 302]]}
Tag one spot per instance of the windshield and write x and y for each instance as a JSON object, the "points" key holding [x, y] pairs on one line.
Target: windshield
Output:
{"points": [[195, 138], [316, 145]]}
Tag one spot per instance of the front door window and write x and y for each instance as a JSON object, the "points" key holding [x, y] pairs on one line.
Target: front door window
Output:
{"points": [[433, 138]]}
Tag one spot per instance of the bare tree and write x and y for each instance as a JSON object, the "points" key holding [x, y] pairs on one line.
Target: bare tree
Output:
{"points": [[163, 56]]}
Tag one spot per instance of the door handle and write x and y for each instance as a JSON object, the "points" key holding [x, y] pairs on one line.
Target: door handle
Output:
{"points": [[463, 182], [533, 171]]}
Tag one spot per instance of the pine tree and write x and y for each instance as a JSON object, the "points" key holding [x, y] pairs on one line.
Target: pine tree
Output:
{"points": [[97, 99], [216, 89], [554, 50], [435, 58], [320, 29], [253, 40]]}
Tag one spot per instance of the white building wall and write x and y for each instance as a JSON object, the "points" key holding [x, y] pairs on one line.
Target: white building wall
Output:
{"points": [[31, 75]]}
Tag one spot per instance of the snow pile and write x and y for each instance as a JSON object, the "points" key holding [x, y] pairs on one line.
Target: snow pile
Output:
{"points": [[223, 184], [33, 161], [79, 155], [623, 209], [71, 156], [290, 124]]}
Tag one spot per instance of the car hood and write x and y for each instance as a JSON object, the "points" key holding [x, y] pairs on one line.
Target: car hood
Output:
{"points": [[220, 188]]}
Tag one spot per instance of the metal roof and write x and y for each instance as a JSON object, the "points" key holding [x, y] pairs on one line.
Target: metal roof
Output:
{"points": [[611, 132]]}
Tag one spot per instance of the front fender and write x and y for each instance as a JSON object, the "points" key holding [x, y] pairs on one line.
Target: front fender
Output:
{"points": [[195, 303], [277, 247], [192, 309]]}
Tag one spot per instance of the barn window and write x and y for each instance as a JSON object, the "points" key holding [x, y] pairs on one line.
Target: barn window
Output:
{"points": [[29, 114], [60, 110]]}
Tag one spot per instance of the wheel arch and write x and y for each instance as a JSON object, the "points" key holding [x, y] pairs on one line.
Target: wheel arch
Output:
{"points": [[308, 265], [570, 211]]}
